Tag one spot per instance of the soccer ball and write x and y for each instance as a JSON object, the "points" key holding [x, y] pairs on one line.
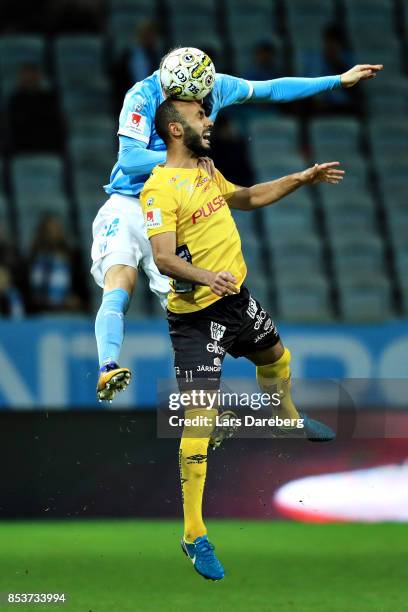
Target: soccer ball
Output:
{"points": [[187, 74]]}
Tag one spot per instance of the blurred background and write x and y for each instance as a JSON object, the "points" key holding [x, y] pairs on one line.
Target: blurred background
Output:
{"points": [[329, 263], [332, 255]]}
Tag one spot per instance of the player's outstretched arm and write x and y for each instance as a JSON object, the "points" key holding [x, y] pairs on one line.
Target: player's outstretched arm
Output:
{"points": [[170, 264], [257, 196], [287, 89]]}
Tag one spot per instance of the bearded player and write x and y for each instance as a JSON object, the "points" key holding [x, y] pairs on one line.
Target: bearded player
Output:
{"points": [[120, 243], [196, 243]]}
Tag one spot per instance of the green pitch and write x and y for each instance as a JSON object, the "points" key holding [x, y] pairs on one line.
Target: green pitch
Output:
{"points": [[132, 566]]}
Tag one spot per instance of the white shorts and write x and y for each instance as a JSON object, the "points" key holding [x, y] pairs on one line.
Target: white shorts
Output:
{"points": [[119, 237]]}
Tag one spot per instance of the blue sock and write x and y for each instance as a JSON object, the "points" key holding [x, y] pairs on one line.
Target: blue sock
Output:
{"points": [[110, 325]]}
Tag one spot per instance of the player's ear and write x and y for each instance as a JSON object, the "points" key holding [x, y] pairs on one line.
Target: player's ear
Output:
{"points": [[175, 129]]}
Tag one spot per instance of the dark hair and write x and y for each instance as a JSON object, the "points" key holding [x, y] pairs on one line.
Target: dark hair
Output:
{"points": [[167, 113]]}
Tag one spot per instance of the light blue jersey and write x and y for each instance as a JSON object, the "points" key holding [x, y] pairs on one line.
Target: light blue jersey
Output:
{"points": [[141, 149], [136, 121]]}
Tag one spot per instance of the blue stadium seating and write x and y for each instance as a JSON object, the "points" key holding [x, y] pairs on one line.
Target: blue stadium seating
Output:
{"points": [[303, 298], [365, 298]]}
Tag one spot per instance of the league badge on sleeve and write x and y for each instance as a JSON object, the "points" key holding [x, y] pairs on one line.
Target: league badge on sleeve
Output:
{"points": [[136, 123], [153, 218]]}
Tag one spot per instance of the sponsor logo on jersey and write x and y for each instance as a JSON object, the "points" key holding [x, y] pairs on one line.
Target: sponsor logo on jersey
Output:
{"points": [[252, 308], [260, 336], [213, 347], [217, 330], [217, 361], [149, 201], [153, 218], [208, 209], [206, 368], [259, 319]]}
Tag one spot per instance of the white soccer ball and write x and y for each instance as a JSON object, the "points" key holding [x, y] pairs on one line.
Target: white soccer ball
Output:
{"points": [[187, 74]]}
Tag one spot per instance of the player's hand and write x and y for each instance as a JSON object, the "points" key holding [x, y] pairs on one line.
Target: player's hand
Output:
{"points": [[358, 73], [208, 165], [323, 173], [222, 283]]}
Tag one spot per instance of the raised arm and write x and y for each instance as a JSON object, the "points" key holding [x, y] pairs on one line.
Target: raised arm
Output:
{"points": [[170, 264], [264, 194], [234, 90], [294, 88]]}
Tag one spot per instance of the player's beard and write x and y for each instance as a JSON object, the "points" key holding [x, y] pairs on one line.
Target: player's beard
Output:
{"points": [[192, 140]]}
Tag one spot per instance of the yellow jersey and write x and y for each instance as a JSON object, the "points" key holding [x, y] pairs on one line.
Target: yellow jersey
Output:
{"points": [[190, 203]]}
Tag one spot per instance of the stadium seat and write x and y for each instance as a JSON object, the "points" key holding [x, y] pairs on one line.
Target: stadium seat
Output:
{"points": [[16, 50], [306, 18], [396, 211], [88, 181], [190, 21], [122, 25], [245, 31], [303, 298], [280, 134], [347, 213], [388, 98], [87, 101], [243, 50], [364, 298], [357, 252], [79, 61], [273, 165], [392, 175], [369, 16], [300, 251], [388, 137], [248, 24], [96, 128], [95, 152], [379, 51], [335, 134], [187, 29], [37, 174], [294, 213]]}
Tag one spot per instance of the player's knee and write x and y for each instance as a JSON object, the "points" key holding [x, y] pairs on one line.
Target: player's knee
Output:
{"points": [[120, 277]]}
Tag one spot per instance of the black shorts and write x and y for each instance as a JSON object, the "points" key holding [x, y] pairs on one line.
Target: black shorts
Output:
{"points": [[237, 325]]}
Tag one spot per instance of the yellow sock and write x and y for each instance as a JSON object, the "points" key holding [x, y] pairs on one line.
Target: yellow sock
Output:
{"points": [[275, 377], [193, 470]]}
